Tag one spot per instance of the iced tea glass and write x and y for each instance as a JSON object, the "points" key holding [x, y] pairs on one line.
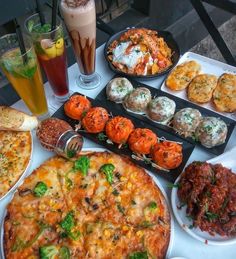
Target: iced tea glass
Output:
{"points": [[50, 49], [23, 72], [80, 20]]}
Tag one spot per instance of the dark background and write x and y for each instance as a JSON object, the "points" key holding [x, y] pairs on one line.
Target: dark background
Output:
{"points": [[176, 16]]}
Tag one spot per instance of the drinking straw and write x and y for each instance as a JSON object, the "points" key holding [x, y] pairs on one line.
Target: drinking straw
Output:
{"points": [[20, 41], [54, 14], [40, 11]]}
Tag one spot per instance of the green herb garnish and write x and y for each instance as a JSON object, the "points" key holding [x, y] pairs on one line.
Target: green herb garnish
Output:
{"points": [[189, 217], [74, 235], [68, 222], [20, 244], [208, 194], [15, 223], [210, 216], [48, 252], [208, 128], [195, 137], [108, 170], [64, 253], [41, 29], [171, 185], [138, 255], [226, 200], [125, 145], [83, 114], [70, 153], [82, 165], [69, 183], [146, 224], [40, 189], [101, 136], [30, 25], [152, 205]]}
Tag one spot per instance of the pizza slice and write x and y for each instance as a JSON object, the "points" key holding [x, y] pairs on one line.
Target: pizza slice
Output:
{"points": [[38, 216], [15, 152], [85, 187]]}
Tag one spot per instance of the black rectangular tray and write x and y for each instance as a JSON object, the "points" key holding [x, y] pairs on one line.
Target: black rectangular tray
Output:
{"points": [[180, 104], [171, 176]]}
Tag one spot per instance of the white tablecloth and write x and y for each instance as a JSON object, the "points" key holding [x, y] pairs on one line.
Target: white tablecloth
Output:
{"points": [[183, 244]]}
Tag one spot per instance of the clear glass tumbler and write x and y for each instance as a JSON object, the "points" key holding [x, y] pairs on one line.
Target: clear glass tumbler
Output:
{"points": [[23, 72], [50, 49]]}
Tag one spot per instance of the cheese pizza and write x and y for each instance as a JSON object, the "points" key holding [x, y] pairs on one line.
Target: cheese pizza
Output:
{"points": [[15, 152], [99, 206]]}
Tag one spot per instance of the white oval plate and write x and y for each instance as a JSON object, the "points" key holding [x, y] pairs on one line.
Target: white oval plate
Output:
{"points": [[228, 160], [154, 179]]}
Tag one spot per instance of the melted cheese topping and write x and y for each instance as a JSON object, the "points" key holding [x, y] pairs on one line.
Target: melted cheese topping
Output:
{"points": [[15, 151], [130, 59], [131, 56], [114, 219], [161, 109], [186, 121], [118, 88]]}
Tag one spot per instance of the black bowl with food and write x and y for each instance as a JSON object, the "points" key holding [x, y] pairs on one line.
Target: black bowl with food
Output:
{"points": [[141, 53]]}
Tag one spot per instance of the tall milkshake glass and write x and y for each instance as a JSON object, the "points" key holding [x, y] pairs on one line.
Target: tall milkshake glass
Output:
{"points": [[80, 20]]}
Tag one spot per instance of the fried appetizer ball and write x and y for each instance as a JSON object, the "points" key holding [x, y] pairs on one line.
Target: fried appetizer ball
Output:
{"points": [[141, 141], [161, 109], [77, 106], [137, 100], [118, 88], [95, 120], [211, 132], [181, 76], [186, 121], [224, 96], [167, 154], [118, 129], [201, 88]]}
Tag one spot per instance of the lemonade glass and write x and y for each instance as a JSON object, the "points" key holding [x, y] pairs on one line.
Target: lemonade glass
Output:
{"points": [[23, 72]]}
